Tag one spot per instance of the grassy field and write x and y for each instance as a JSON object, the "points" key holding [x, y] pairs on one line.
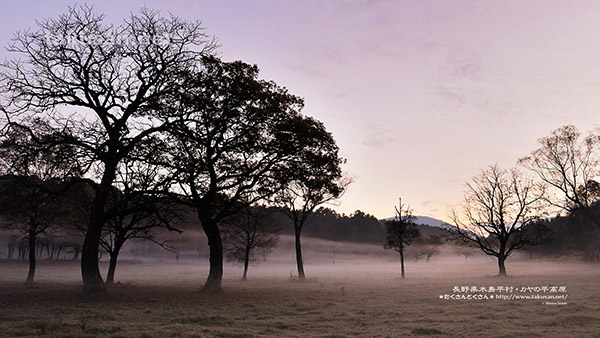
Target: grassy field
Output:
{"points": [[347, 299]]}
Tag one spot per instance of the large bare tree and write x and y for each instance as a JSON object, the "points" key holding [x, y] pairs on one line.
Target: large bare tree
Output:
{"points": [[568, 163], [501, 213], [96, 85]]}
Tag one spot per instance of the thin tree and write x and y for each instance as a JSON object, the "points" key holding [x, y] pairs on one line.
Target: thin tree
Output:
{"points": [[136, 211], [501, 213], [250, 235], [112, 75], [316, 178], [400, 232]]}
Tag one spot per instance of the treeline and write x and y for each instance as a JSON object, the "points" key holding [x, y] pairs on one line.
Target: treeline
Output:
{"points": [[359, 226], [572, 233]]}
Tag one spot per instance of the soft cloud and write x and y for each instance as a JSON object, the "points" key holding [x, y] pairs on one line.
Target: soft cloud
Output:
{"points": [[378, 136]]}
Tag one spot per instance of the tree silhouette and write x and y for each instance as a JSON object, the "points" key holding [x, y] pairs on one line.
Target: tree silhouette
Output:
{"points": [[249, 235], [136, 209], [112, 75], [32, 190], [234, 144], [315, 178], [501, 214], [569, 164], [429, 246], [400, 232]]}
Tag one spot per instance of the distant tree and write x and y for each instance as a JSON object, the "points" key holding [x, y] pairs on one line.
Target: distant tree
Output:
{"points": [[400, 232], [569, 164], [417, 254], [317, 179], [431, 251], [30, 207], [32, 188], [430, 246], [465, 248], [501, 213], [112, 76], [249, 236]]}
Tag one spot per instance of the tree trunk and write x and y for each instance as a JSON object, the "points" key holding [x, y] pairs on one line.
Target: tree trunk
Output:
{"points": [[299, 262], [501, 267], [401, 263], [32, 261], [215, 275], [39, 251], [75, 253], [93, 284], [22, 250], [112, 264], [246, 261], [92, 280]]}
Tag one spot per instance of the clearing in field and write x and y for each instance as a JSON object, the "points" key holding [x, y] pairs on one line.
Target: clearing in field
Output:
{"points": [[354, 297]]}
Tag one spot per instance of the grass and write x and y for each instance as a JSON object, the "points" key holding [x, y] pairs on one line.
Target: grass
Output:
{"points": [[421, 331], [369, 300]]}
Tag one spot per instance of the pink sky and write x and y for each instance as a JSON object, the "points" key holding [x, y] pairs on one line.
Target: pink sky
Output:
{"points": [[419, 94]]}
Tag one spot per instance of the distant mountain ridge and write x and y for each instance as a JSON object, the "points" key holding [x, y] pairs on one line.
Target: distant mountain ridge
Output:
{"points": [[426, 220], [434, 222]]}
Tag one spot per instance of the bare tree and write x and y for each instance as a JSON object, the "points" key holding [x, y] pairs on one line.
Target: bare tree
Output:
{"points": [[136, 210], [466, 249], [417, 253], [501, 213], [569, 164], [249, 236], [400, 232], [430, 246], [113, 76]]}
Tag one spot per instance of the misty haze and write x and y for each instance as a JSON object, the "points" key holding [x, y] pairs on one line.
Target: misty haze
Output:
{"points": [[274, 169]]}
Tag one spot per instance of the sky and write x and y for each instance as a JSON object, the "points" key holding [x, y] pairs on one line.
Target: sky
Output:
{"points": [[419, 95]]}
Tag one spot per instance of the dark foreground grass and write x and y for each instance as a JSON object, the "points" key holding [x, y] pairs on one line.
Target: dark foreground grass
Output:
{"points": [[340, 304]]}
